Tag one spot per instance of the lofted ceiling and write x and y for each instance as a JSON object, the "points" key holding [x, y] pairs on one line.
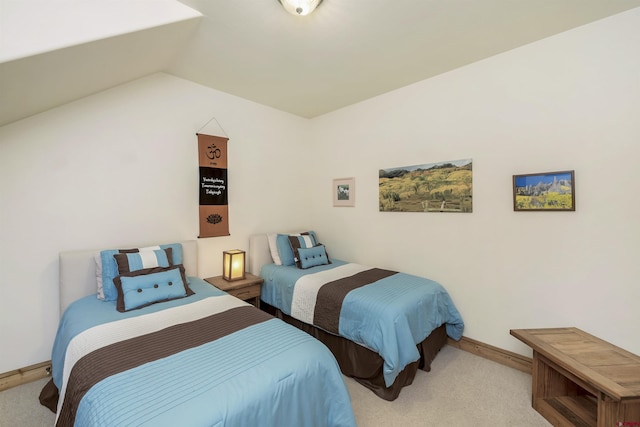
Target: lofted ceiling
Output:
{"points": [[53, 52]]}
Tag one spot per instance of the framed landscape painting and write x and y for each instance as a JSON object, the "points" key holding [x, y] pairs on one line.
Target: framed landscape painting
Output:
{"points": [[429, 187], [548, 191]]}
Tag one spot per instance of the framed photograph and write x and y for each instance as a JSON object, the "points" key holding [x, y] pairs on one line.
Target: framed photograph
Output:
{"points": [[344, 192], [549, 191]]}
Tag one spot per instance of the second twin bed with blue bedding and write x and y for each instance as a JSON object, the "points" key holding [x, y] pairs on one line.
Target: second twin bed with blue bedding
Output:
{"points": [[396, 321]]}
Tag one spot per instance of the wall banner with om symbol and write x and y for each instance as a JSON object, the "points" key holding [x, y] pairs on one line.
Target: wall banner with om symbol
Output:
{"points": [[214, 207]]}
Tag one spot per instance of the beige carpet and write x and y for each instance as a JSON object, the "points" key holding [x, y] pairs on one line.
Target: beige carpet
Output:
{"points": [[461, 390]]}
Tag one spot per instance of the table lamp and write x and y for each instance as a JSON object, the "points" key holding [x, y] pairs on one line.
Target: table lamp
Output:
{"points": [[233, 265]]}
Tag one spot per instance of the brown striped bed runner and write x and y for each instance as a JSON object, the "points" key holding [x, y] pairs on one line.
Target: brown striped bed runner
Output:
{"points": [[332, 294], [134, 352]]}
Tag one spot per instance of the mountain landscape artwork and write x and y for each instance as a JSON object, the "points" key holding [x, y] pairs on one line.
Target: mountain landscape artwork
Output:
{"points": [[430, 187]]}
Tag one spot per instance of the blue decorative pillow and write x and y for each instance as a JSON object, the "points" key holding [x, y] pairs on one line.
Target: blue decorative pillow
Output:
{"points": [[285, 249], [301, 241], [110, 267], [311, 257], [149, 286]]}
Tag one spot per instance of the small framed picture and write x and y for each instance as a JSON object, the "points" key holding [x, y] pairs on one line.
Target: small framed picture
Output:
{"points": [[344, 192], [548, 191]]}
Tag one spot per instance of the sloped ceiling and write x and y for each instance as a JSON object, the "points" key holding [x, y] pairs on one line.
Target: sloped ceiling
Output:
{"points": [[57, 51], [348, 50]]}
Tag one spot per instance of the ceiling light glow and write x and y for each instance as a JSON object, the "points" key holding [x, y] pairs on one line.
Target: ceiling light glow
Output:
{"points": [[300, 7]]}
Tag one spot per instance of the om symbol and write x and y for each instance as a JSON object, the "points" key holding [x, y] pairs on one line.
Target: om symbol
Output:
{"points": [[213, 152]]}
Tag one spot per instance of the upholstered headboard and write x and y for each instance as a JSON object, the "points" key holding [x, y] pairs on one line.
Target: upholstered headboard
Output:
{"points": [[259, 253], [78, 271]]}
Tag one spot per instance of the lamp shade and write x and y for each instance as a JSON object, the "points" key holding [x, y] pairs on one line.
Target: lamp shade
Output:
{"points": [[233, 265], [300, 7]]}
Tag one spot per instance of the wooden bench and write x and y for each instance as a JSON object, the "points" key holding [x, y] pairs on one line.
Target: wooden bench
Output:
{"points": [[581, 380]]}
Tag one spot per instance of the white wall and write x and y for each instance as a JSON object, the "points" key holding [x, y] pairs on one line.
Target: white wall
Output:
{"points": [[568, 102], [120, 168]]}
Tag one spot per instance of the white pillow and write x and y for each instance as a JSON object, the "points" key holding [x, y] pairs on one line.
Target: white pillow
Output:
{"points": [[273, 248], [98, 260]]}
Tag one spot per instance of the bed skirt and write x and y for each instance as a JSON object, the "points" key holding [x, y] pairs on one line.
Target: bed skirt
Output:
{"points": [[364, 365]]}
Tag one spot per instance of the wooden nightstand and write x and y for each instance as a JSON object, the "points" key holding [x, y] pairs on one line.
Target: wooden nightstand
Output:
{"points": [[247, 289]]}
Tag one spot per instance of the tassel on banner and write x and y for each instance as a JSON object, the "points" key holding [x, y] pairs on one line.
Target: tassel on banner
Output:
{"points": [[213, 185]]}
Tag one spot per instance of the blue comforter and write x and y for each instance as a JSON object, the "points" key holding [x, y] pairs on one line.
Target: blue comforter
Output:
{"points": [[267, 374], [389, 316]]}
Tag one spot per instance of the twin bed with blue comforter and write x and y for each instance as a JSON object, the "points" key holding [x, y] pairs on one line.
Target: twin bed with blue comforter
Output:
{"points": [[381, 325], [206, 359]]}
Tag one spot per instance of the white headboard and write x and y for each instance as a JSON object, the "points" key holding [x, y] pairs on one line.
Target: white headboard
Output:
{"points": [[259, 253], [78, 271]]}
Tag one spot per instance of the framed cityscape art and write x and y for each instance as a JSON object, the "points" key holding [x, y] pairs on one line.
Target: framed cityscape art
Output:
{"points": [[548, 191]]}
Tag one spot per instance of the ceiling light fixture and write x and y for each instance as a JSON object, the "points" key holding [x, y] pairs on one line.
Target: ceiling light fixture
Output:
{"points": [[300, 7]]}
